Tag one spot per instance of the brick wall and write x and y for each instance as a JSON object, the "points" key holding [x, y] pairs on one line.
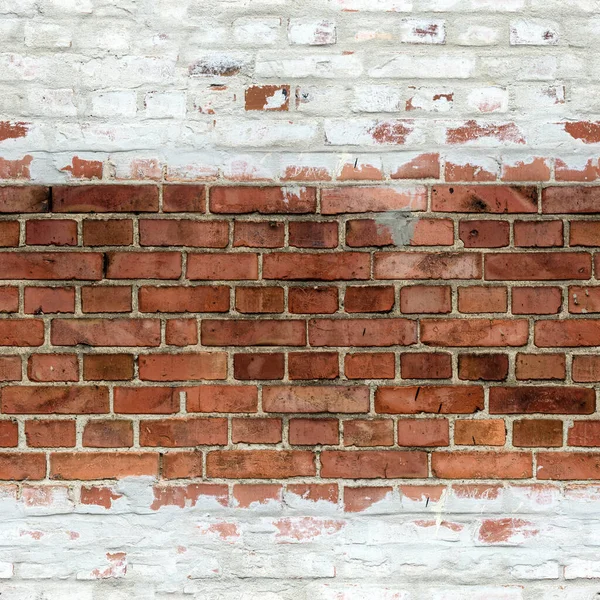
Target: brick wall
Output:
{"points": [[298, 299]]}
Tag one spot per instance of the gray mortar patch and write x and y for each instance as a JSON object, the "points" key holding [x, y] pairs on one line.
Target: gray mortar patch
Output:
{"points": [[400, 225]]}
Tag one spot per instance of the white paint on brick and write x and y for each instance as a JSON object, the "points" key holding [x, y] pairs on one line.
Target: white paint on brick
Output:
{"points": [[533, 32], [488, 100], [165, 105], [113, 104], [305, 32], [400, 549]]}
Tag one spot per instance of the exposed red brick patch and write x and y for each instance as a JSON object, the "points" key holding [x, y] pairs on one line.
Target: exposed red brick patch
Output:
{"points": [[586, 131], [10, 130], [84, 169], [472, 131]]}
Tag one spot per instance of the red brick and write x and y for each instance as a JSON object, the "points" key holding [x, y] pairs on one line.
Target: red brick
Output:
{"points": [[481, 465], [412, 400], [532, 433], [9, 434], [24, 199], [570, 199], [9, 299], [538, 169], [309, 234], [373, 464], [175, 299], [538, 266], [184, 232], [474, 332], [568, 465], [109, 367], [183, 367], [538, 399], [109, 232], [143, 265], [316, 267], [256, 431], [51, 265], [536, 300], [176, 433], [483, 367], [179, 465], [188, 494], [556, 334], [51, 232], [311, 432], [424, 265], [315, 399], [484, 234], [584, 300], [262, 234], [313, 300], [257, 97], [327, 492], [423, 432], [105, 332], [264, 200], [10, 368], [425, 232], [370, 365], [366, 299], [19, 467], [260, 464], [108, 434], [88, 466], [586, 368], [22, 332], [259, 300], [60, 400], [426, 365], [584, 433], [423, 166], [258, 365], [341, 200], [363, 433], [45, 300], [313, 365], [9, 234], [222, 398], [536, 234], [358, 499], [53, 367], [232, 266], [462, 171], [430, 299], [50, 434], [584, 233], [480, 432], [181, 332], [479, 299], [362, 332], [235, 332], [484, 198], [146, 400], [106, 299], [540, 366], [245, 495], [99, 198], [184, 198]]}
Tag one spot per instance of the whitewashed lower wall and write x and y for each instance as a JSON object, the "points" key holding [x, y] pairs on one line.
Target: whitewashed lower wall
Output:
{"points": [[518, 543]]}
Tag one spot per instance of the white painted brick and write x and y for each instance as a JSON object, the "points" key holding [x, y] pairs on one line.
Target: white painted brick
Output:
{"points": [[440, 99], [472, 5], [304, 32], [582, 569], [374, 5], [165, 105], [18, 7], [6, 570], [488, 100], [250, 31], [111, 36], [61, 7], [533, 32], [131, 71], [326, 66], [51, 103], [423, 31], [246, 133], [318, 99], [115, 103], [406, 66], [475, 33], [47, 35], [549, 570], [378, 98], [359, 132]]}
